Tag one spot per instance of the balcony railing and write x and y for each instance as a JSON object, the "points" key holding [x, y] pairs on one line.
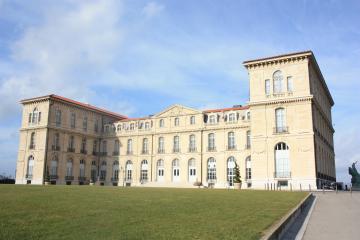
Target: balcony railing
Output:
{"points": [[282, 129], [69, 178], [176, 150], [247, 146], [55, 148], [102, 178], [83, 151], [145, 151], [28, 176], [53, 177], [160, 150], [102, 153], [129, 152], [71, 149], [192, 149], [94, 153], [284, 174], [82, 179], [116, 153], [115, 179], [211, 149], [231, 147]]}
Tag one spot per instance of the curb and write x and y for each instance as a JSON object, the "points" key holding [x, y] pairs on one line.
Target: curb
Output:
{"points": [[279, 228], [302, 230]]}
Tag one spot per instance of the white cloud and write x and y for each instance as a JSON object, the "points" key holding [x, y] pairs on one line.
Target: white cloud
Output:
{"points": [[152, 9]]}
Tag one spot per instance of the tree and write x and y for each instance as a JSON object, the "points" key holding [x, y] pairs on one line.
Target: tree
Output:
{"points": [[237, 177]]}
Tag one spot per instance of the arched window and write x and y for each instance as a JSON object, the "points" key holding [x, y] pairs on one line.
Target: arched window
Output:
{"points": [[278, 82], [53, 167], [248, 168], [211, 170], [192, 170], [231, 141], [35, 116], [129, 146], [82, 168], [192, 143], [161, 123], [103, 171], [161, 145], [30, 167], [160, 170], [144, 171], [280, 120], [115, 171], [211, 142], [69, 168], [129, 169], [282, 161], [176, 170], [32, 140], [145, 149], [230, 170], [176, 144]]}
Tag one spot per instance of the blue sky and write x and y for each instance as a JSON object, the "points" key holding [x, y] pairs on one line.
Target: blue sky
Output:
{"points": [[129, 56]]}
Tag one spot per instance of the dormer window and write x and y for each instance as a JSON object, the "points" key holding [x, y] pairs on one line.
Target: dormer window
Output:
{"points": [[232, 117], [147, 125], [212, 119], [118, 127], [132, 126]]}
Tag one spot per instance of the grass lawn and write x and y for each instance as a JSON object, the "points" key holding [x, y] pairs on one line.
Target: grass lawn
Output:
{"points": [[92, 212]]}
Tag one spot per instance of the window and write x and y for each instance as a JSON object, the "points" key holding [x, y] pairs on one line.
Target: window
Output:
{"points": [[116, 147], [278, 82], [231, 141], [192, 143], [69, 168], [211, 142], [267, 86], [132, 126], [53, 167], [145, 144], [95, 147], [83, 146], [282, 161], [280, 120], [248, 139], [192, 120], [192, 170], [129, 168], [56, 141], [160, 170], [248, 115], [176, 144], [161, 145], [248, 168], [103, 171], [104, 147], [129, 146], [231, 170], [176, 170], [147, 125], [289, 84], [57, 117], [73, 120], [85, 122], [82, 168], [118, 128], [211, 170], [144, 171], [35, 116], [96, 125], [93, 171], [71, 144], [115, 171], [176, 122], [161, 123], [232, 117], [30, 167], [212, 119], [32, 140]]}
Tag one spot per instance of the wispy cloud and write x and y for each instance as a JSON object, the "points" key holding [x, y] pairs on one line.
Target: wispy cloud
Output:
{"points": [[152, 9]]}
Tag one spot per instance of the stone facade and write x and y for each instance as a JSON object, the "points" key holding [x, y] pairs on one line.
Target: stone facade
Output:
{"points": [[282, 138]]}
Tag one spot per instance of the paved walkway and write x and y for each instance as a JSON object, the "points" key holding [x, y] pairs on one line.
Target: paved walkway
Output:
{"points": [[335, 216]]}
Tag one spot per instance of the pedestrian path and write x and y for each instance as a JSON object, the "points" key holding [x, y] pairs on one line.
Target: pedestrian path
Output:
{"points": [[335, 216]]}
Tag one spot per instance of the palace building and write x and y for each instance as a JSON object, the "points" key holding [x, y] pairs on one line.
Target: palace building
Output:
{"points": [[283, 137]]}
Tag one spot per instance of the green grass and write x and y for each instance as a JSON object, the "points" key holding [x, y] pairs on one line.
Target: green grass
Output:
{"points": [[89, 212]]}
